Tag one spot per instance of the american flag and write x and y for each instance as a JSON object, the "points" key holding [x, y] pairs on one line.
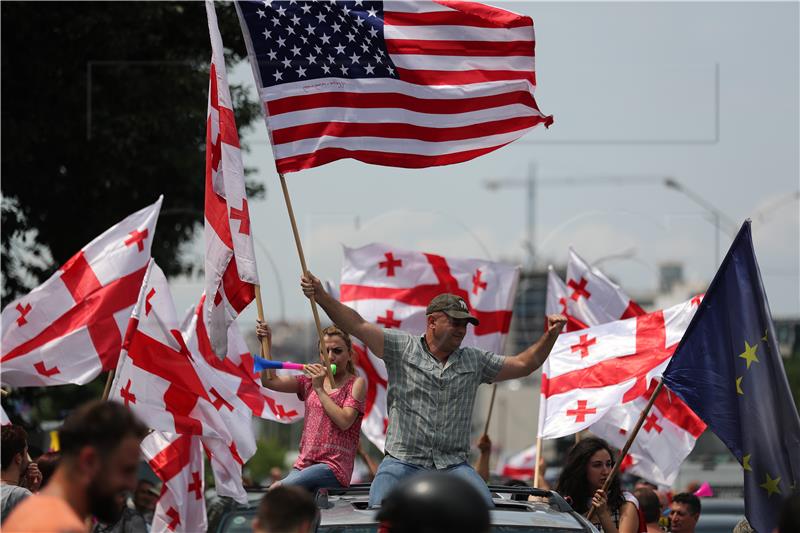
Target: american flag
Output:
{"points": [[402, 83]]}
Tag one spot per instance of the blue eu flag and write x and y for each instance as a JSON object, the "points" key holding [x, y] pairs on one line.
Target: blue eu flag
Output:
{"points": [[728, 369]]}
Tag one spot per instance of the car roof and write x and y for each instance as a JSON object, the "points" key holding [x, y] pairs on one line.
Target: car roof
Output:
{"points": [[350, 506]]}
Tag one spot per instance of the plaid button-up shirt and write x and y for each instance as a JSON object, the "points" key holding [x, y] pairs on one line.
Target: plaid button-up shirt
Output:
{"points": [[430, 404]]}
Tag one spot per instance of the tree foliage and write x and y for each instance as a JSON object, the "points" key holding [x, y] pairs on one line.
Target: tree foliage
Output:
{"points": [[104, 108]]}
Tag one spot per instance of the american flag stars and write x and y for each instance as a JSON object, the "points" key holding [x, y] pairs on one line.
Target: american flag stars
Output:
{"points": [[310, 40]]}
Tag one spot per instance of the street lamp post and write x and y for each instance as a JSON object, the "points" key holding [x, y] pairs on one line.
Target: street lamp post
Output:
{"points": [[716, 214]]}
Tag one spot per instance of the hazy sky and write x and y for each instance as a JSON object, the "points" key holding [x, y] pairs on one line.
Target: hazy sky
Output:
{"points": [[633, 88]]}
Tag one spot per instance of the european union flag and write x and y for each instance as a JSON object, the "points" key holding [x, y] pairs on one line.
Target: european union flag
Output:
{"points": [[728, 369]]}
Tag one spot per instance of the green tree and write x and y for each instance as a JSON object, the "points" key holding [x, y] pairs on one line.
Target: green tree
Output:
{"points": [[104, 108]]}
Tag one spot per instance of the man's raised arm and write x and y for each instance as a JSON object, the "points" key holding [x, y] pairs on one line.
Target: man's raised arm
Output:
{"points": [[344, 317], [525, 362]]}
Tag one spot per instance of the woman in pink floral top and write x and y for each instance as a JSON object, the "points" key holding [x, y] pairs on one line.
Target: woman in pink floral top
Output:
{"points": [[332, 424]]}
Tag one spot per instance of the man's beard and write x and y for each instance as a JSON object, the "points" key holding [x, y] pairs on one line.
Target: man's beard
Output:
{"points": [[104, 505]]}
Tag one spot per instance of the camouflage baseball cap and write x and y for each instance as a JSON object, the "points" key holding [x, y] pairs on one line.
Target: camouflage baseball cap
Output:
{"points": [[451, 305]]}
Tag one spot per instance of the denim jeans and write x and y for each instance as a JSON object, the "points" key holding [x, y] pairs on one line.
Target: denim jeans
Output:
{"points": [[392, 470], [312, 478]]}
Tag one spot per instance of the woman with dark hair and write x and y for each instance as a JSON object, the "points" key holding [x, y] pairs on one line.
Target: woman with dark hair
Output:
{"points": [[588, 465], [334, 411]]}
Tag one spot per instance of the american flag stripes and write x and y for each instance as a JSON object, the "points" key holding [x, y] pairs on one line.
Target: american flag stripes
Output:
{"points": [[407, 84]]}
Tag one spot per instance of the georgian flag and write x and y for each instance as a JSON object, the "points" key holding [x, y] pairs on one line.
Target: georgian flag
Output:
{"points": [[521, 465], [70, 328], [594, 299], [156, 375], [177, 460], [238, 366], [392, 287], [230, 262], [656, 453], [593, 370]]}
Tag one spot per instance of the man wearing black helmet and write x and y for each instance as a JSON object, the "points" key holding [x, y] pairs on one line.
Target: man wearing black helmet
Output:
{"points": [[432, 385]]}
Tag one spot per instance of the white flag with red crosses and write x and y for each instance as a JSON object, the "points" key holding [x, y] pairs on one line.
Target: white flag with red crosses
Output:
{"points": [[591, 371], [177, 460], [236, 394], [238, 363], [156, 376], [70, 328], [230, 261], [392, 287], [656, 454], [594, 299]]}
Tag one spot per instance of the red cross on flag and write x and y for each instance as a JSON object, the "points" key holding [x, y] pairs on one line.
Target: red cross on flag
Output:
{"points": [[230, 262], [69, 329], [556, 301], [177, 460], [578, 390], [238, 363], [655, 455], [235, 393], [594, 299], [392, 287], [668, 435], [156, 376], [520, 465]]}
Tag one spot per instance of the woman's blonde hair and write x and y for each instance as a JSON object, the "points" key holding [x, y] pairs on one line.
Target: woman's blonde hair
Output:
{"points": [[333, 331]]}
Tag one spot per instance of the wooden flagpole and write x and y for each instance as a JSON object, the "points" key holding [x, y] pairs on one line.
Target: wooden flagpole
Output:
{"points": [[491, 406], [299, 245], [265, 351], [536, 471], [627, 446], [109, 380]]}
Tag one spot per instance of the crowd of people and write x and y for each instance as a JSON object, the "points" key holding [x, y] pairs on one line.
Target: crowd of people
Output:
{"points": [[432, 385]]}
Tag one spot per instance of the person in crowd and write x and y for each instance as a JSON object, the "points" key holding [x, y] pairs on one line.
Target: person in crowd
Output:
{"points": [[286, 509], [19, 475], [99, 461], [650, 507], [332, 423], [372, 466], [145, 498], [432, 501], [588, 464], [485, 449], [47, 463], [684, 513], [275, 475], [432, 385]]}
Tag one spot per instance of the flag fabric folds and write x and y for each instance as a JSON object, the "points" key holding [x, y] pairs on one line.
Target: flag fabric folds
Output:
{"points": [[156, 377], [728, 369], [392, 287], [412, 84], [70, 328], [230, 262], [237, 366], [590, 371], [177, 460]]}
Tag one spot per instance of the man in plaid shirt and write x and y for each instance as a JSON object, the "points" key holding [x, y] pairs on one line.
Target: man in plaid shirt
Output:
{"points": [[432, 384]]}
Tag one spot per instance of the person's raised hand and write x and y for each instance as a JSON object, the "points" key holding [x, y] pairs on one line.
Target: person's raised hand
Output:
{"points": [[555, 323], [484, 443], [32, 478], [263, 330], [311, 286]]}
